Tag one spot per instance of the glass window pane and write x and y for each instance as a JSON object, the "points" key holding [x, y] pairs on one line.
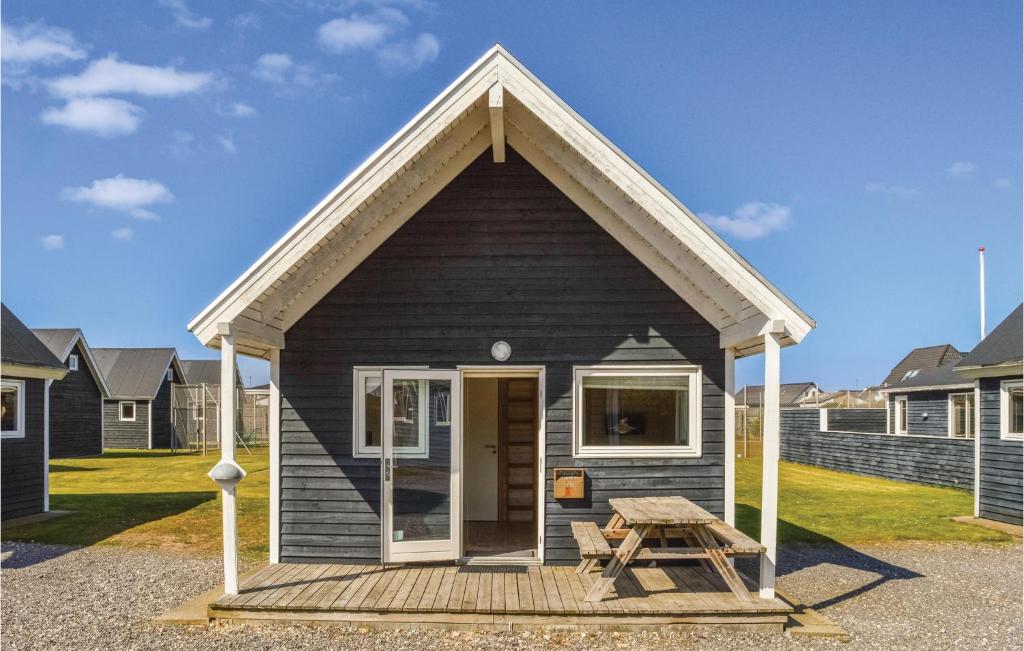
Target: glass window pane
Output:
{"points": [[421, 482], [407, 421], [1016, 410], [636, 411], [8, 409], [372, 392]]}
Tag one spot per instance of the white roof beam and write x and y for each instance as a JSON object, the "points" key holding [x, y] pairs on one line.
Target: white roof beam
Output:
{"points": [[496, 107]]}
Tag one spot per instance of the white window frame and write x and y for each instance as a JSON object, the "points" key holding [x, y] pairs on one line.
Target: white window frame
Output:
{"points": [[170, 374], [950, 411], [899, 411], [19, 431], [359, 448], [1004, 410], [695, 377], [72, 362], [120, 411]]}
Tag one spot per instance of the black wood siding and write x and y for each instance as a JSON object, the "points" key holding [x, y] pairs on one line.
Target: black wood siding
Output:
{"points": [[76, 401], [927, 412], [856, 420], [499, 254], [125, 434], [162, 412], [918, 459], [1002, 478], [22, 460]]}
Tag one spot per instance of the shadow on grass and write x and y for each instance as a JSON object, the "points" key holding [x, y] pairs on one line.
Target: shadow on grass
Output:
{"points": [[801, 548], [96, 517], [145, 454], [59, 467]]}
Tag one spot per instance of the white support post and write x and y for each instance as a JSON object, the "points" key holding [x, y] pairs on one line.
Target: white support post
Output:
{"points": [[275, 455], [730, 436], [823, 419], [770, 464], [977, 448], [46, 445], [228, 406]]}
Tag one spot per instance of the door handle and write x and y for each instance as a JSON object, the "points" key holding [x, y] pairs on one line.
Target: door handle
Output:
{"points": [[387, 469]]}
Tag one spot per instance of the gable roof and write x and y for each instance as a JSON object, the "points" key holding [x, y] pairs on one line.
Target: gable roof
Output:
{"points": [[752, 395], [61, 341], [939, 378], [21, 352], [920, 359], [135, 373], [497, 99], [205, 371], [1002, 350]]}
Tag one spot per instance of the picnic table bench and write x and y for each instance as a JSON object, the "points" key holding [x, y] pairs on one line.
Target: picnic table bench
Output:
{"points": [[635, 520]]}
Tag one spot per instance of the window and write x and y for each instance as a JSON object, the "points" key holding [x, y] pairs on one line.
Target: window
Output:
{"points": [[901, 415], [12, 409], [961, 415], [909, 374], [640, 411], [411, 407], [126, 410], [170, 375], [1011, 410], [72, 362]]}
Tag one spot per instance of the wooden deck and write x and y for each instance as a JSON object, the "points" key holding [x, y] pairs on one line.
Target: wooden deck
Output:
{"points": [[498, 597]]}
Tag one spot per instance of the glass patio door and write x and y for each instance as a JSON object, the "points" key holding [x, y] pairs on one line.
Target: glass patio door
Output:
{"points": [[421, 456]]}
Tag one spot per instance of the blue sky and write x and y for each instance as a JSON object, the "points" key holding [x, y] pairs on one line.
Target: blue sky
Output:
{"points": [[856, 153]]}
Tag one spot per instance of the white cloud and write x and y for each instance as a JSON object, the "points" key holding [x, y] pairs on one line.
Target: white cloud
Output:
{"points": [[961, 170], [52, 242], [236, 110], [227, 143], [410, 55], [752, 220], [37, 43], [273, 67], [247, 21], [183, 16], [1002, 183], [121, 193], [102, 116], [900, 191], [360, 32], [181, 145], [122, 234], [110, 75]]}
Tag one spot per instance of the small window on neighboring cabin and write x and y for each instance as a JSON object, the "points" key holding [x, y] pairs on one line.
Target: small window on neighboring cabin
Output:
{"points": [[72, 362], [643, 411], [126, 410], [909, 374], [961, 412], [1011, 409], [901, 415], [12, 409], [170, 375]]}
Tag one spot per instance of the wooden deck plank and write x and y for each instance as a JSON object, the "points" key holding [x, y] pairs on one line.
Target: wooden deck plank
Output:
{"points": [[498, 592], [341, 594], [430, 591], [250, 588], [354, 600], [412, 601], [444, 590], [379, 594], [540, 601], [454, 601], [305, 583], [336, 576], [469, 597], [271, 593], [483, 595], [550, 589], [564, 590], [408, 583], [524, 594]]}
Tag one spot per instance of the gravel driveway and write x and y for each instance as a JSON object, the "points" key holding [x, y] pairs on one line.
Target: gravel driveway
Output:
{"points": [[911, 596]]}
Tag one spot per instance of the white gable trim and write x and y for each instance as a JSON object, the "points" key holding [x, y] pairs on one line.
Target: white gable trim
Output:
{"points": [[94, 369], [383, 193]]}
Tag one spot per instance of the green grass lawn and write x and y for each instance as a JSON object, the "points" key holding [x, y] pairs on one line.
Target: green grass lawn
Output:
{"points": [[166, 501]]}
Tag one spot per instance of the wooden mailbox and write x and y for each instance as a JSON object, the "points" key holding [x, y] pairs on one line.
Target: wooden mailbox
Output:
{"points": [[568, 483]]}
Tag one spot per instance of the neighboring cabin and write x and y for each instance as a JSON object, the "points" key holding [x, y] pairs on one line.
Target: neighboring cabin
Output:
{"points": [[76, 402], [137, 412], [790, 395], [28, 369], [931, 402], [205, 371], [996, 366], [479, 288]]}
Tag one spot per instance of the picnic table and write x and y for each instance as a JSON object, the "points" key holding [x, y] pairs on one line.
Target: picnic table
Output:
{"points": [[636, 519]]}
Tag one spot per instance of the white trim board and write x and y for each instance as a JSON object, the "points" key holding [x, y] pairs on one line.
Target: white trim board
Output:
{"points": [[443, 139]]}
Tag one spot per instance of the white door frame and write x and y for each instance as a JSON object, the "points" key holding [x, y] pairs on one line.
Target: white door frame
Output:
{"points": [[428, 550], [512, 371]]}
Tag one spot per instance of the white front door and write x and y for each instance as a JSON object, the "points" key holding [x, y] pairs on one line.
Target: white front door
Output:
{"points": [[422, 450]]}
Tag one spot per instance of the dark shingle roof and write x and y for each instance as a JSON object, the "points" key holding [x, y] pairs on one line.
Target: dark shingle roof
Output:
{"points": [[204, 371], [920, 359], [133, 372], [19, 346], [1002, 345], [943, 376], [753, 395], [56, 339]]}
